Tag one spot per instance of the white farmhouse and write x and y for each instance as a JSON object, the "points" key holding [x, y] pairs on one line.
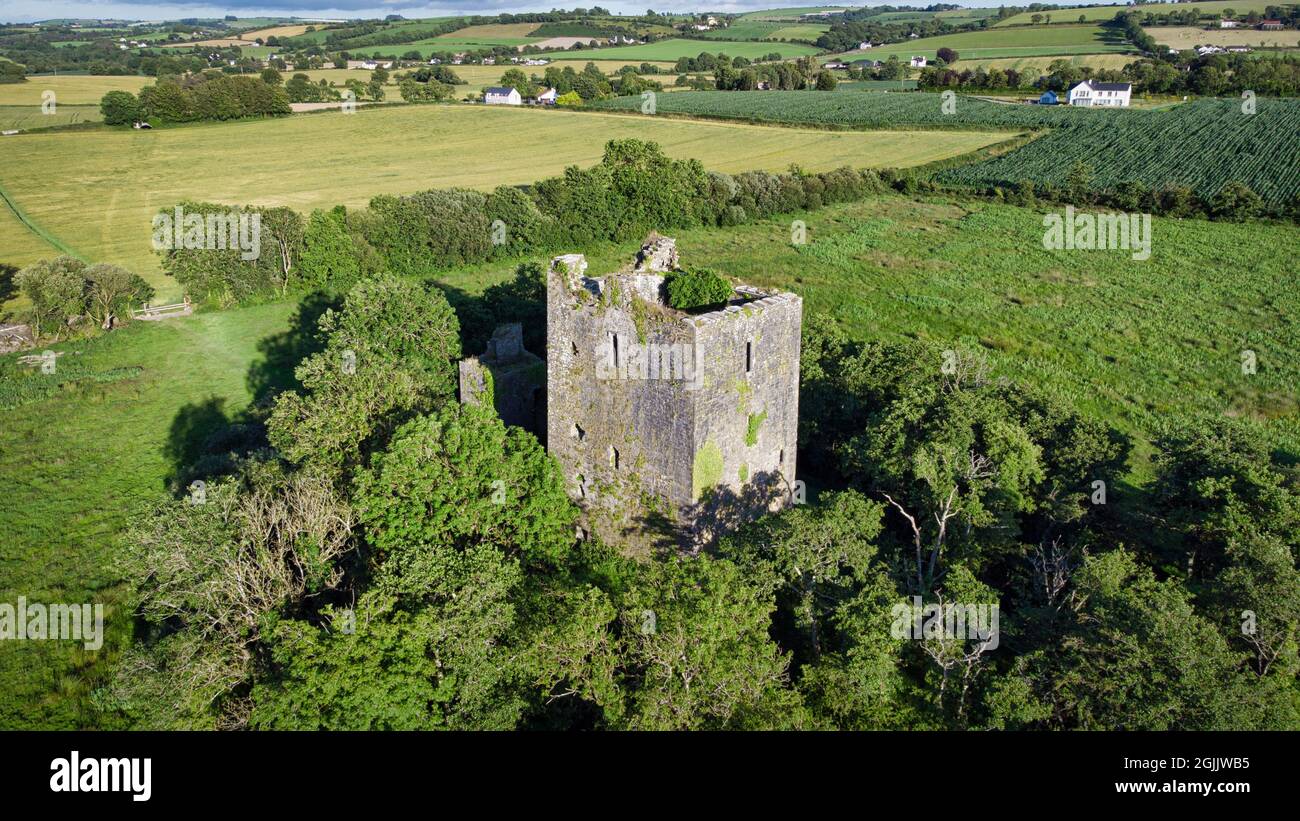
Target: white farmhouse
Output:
{"points": [[1227, 24], [1093, 93], [547, 97], [497, 95], [918, 62]]}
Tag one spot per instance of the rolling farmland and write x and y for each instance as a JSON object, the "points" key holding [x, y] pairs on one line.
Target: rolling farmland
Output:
{"points": [[1097, 13], [1022, 42], [398, 149], [675, 49]]}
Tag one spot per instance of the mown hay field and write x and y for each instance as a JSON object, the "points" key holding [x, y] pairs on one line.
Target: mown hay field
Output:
{"points": [[98, 190]]}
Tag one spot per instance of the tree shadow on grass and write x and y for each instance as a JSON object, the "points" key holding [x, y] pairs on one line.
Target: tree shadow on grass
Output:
{"points": [[273, 373], [7, 288]]}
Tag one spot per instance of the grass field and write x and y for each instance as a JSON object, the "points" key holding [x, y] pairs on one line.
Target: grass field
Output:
{"points": [[26, 117], [18, 247], [508, 31], [1131, 343], [320, 160], [1095, 13], [1021, 42], [674, 49], [1184, 37], [1039, 65], [69, 89], [75, 467]]}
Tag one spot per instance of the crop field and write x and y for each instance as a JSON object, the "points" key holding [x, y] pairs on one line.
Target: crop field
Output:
{"points": [[1183, 37], [1126, 341], [321, 160], [1201, 145], [275, 31], [790, 13], [1021, 42], [1096, 13], [674, 49], [69, 89], [759, 30]]}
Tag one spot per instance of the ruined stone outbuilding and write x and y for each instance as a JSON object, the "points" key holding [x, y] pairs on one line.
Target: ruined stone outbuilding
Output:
{"points": [[509, 377]]}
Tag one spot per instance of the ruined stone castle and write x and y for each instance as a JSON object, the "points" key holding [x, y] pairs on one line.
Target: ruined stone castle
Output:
{"points": [[670, 426]]}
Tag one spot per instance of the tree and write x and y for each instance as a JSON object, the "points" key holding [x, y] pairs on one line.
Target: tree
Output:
{"points": [[947, 55], [56, 290], [213, 577], [271, 76], [389, 356], [569, 99], [330, 257], [119, 108], [697, 650], [456, 479], [1235, 201], [825, 81], [112, 290]]}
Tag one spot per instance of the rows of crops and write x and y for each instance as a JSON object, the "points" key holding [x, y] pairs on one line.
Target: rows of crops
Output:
{"points": [[1200, 145]]}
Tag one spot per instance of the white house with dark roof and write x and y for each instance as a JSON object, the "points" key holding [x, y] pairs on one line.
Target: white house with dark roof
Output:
{"points": [[498, 95], [1094, 93]]}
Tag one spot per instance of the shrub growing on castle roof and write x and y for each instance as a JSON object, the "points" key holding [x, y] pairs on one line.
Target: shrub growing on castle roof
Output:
{"points": [[701, 288]]}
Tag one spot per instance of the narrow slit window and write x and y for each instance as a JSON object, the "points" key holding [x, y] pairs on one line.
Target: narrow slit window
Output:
{"points": [[613, 458], [749, 358], [780, 457], [613, 341]]}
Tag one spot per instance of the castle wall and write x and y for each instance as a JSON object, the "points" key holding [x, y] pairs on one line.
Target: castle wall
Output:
{"points": [[747, 414]]}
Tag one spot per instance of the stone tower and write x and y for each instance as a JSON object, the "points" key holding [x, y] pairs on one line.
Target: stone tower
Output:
{"points": [[670, 426]]}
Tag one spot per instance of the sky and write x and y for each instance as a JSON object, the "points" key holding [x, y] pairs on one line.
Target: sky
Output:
{"points": [[21, 11]]}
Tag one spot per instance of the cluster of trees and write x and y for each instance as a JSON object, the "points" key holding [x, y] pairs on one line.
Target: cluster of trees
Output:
{"points": [[367, 553], [1209, 75], [1216, 74], [705, 62], [204, 96], [65, 290], [1233, 202], [786, 76], [858, 26], [634, 189]]}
